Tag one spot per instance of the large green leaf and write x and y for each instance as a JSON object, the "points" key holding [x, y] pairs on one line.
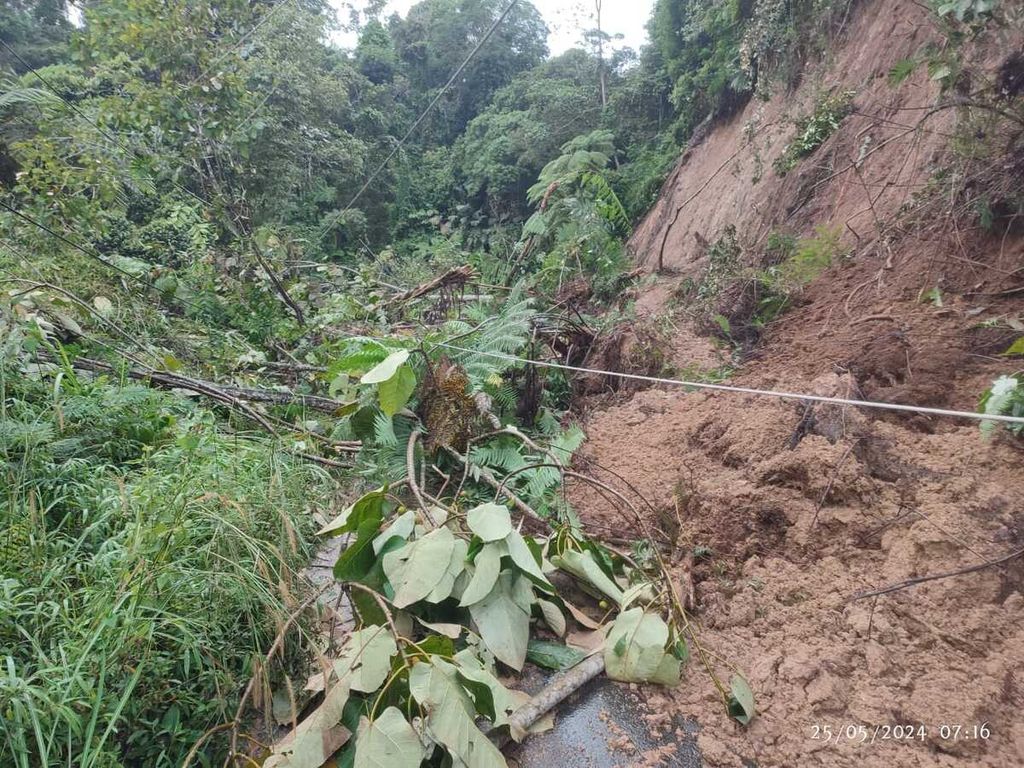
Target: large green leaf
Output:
{"points": [[504, 625], [388, 742], [523, 558], [317, 737], [487, 567], [583, 566], [385, 369], [366, 658], [456, 565], [492, 699], [491, 522], [553, 616], [433, 683], [395, 392], [364, 662], [365, 507], [358, 558], [635, 646], [450, 714], [418, 567], [549, 655], [402, 527]]}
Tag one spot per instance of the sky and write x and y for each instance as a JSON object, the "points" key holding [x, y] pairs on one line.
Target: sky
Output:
{"points": [[565, 19]]}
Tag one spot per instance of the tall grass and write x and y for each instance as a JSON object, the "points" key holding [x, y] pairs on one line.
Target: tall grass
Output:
{"points": [[147, 558]]}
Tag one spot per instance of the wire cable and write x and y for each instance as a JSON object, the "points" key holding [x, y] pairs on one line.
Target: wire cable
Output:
{"points": [[92, 254], [209, 67], [324, 230], [748, 390], [117, 141]]}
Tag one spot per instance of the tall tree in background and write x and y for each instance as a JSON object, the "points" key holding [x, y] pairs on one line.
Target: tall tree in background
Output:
{"points": [[435, 37], [38, 30]]}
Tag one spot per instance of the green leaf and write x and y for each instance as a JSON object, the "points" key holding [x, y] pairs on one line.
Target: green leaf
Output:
{"points": [[358, 558], [395, 392], [583, 566], [364, 508], [668, 672], [523, 558], [1017, 348], [492, 699], [635, 646], [362, 421], [366, 658], [550, 655], [741, 703], [388, 742], [450, 712], [901, 70], [456, 565], [485, 574], [938, 71], [504, 626], [491, 522], [418, 567], [437, 645], [432, 683], [317, 737], [401, 527], [367, 609], [553, 616], [385, 369]]}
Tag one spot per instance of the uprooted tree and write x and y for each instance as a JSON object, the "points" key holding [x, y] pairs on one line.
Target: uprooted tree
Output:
{"points": [[468, 561]]}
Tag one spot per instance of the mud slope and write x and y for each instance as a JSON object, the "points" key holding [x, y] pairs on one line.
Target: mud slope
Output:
{"points": [[802, 510]]}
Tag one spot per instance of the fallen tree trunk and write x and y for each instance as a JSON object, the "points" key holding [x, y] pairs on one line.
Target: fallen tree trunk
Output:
{"points": [[168, 380], [454, 276], [561, 686]]}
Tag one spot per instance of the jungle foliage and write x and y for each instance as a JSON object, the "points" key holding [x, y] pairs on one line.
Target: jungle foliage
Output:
{"points": [[194, 198]]}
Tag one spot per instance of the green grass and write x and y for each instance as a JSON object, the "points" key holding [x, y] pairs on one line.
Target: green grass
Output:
{"points": [[147, 558]]}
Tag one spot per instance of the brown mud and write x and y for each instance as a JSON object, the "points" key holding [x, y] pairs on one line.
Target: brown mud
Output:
{"points": [[795, 511]]}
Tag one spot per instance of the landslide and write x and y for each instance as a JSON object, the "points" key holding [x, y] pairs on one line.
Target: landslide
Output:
{"points": [[793, 511]]}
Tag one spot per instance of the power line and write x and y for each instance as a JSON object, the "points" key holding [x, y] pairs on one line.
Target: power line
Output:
{"points": [[748, 390], [103, 131], [66, 240], [92, 254], [419, 120], [238, 42]]}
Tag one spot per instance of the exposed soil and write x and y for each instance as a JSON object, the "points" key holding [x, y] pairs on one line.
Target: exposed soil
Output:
{"points": [[802, 509]]}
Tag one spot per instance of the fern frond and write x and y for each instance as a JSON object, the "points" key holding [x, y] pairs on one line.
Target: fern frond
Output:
{"points": [[505, 332], [359, 355], [36, 97], [384, 431]]}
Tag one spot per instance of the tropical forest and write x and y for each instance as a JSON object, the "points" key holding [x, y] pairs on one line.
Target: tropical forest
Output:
{"points": [[484, 383]]}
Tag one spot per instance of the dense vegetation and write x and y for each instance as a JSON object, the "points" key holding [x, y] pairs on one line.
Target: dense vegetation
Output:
{"points": [[195, 197]]}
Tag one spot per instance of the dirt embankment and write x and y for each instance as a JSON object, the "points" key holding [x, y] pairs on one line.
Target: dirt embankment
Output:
{"points": [[801, 510]]}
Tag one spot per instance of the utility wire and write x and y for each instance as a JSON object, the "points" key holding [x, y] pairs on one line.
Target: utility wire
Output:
{"points": [[415, 125], [747, 390], [66, 240], [92, 254], [256, 27], [128, 150]]}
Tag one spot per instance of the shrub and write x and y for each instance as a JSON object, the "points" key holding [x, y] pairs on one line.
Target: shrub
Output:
{"points": [[814, 129], [148, 559], [794, 265]]}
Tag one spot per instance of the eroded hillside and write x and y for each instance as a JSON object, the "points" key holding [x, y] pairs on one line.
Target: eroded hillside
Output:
{"points": [[793, 510]]}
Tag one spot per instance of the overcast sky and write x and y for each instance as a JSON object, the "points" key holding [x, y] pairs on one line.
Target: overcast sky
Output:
{"points": [[565, 18]]}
